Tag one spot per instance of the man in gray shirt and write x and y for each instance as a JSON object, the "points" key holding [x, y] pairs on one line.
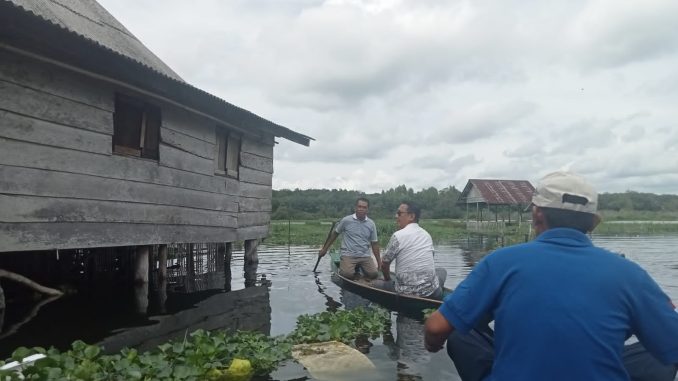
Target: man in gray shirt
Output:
{"points": [[359, 236]]}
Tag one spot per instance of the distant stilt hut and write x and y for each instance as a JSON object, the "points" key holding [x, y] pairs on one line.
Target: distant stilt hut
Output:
{"points": [[497, 199]]}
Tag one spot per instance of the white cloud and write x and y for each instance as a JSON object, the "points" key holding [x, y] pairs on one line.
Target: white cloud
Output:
{"points": [[431, 93], [611, 33]]}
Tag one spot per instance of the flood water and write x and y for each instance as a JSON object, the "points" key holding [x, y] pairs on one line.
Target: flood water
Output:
{"points": [[293, 289]]}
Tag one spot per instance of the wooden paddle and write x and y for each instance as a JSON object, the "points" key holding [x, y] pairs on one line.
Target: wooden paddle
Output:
{"points": [[326, 241]]}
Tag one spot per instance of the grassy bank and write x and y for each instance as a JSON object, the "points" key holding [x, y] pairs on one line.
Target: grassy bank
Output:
{"points": [[314, 232]]}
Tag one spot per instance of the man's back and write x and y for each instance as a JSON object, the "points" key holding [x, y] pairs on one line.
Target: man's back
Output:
{"points": [[412, 249], [563, 309]]}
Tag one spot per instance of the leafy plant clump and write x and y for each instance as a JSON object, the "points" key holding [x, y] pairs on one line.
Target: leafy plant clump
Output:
{"points": [[343, 325], [202, 355]]}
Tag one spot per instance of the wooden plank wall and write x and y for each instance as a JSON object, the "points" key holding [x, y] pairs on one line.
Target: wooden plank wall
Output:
{"points": [[61, 186]]}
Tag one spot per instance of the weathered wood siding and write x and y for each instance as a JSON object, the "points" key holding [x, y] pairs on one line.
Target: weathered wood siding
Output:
{"points": [[62, 187], [255, 172]]}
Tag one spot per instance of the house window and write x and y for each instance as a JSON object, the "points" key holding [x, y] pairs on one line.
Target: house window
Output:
{"points": [[136, 128], [228, 153]]}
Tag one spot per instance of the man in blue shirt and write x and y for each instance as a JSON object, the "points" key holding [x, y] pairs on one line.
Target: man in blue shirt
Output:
{"points": [[562, 308]]}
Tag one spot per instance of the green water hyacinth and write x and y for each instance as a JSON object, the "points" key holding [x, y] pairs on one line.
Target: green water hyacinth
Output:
{"points": [[344, 325], [201, 355]]}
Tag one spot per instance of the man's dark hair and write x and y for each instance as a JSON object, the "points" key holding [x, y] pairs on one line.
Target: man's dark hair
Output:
{"points": [[561, 218], [362, 199], [414, 209]]}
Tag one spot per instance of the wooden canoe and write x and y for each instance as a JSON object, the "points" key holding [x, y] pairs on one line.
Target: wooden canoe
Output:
{"points": [[388, 299]]}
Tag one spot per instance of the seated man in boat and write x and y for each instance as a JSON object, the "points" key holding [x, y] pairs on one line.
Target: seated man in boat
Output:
{"points": [[562, 307], [412, 249], [359, 236]]}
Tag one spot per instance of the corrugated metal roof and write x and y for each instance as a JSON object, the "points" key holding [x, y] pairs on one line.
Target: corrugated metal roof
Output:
{"points": [[497, 192], [83, 34], [90, 20]]}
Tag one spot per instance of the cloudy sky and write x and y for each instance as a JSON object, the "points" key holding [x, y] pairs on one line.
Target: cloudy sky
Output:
{"points": [[431, 92]]}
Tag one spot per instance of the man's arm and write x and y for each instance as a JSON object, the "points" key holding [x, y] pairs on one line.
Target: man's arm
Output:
{"points": [[375, 251], [389, 255], [436, 331], [386, 270], [328, 244]]}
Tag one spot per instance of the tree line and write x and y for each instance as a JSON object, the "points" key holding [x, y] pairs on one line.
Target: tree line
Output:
{"points": [[435, 203]]}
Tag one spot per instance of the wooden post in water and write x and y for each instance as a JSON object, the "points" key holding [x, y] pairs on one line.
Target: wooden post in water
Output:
{"points": [[251, 256], [190, 269], [141, 265], [162, 263], [141, 262], [251, 262], [226, 250], [162, 277]]}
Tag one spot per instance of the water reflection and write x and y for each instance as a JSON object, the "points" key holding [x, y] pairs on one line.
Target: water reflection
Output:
{"points": [[247, 309], [332, 305], [406, 348], [412, 357], [292, 289], [141, 316], [394, 357]]}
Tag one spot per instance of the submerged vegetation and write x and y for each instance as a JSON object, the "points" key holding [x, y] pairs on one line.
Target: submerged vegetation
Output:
{"points": [[202, 355]]}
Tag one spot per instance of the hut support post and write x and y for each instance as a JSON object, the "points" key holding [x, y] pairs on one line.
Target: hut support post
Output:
{"points": [[226, 251], [190, 261], [162, 263], [251, 262], [141, 266], [251, 256], [162, 277], [189, 280]]}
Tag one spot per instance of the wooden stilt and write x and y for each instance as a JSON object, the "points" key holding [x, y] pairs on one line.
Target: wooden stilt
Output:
{"points": [[162, 277], [251, 262], [141, 267], [190, 268], [226, 251], [162, 263], [251, 256]]}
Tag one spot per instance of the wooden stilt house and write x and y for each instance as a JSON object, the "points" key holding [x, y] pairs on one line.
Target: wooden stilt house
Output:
{"points": [[103, 145], [490, 204]]}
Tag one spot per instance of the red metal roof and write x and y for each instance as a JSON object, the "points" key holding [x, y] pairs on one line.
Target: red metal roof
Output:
{"points": [[497, 192]]}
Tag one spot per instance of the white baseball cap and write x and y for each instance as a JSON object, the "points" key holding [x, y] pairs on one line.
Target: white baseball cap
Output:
{"points": [[566, 190]]}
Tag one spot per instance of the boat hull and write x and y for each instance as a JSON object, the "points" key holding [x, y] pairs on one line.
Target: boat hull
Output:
{"points": [[389, 299]]}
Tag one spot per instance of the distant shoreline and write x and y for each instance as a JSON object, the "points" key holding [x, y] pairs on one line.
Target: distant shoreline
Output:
{"points": [[314, 231]]}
